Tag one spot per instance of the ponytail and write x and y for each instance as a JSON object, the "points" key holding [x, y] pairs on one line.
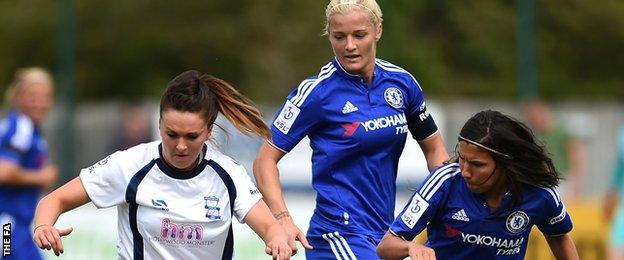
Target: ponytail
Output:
{"points": [[237, 108]]}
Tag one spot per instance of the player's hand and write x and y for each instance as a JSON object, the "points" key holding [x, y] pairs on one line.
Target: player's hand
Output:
{"points": [[420, 252], [295, 234], [279, 247], [49, 238]]}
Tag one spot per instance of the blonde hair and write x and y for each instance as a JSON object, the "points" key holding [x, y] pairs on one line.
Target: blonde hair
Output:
{"points": [[345, 6], [27, 76]]}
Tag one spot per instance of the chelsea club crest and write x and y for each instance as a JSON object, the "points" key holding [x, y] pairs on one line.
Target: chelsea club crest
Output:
{"points": [[517, 221], [394, 97]]}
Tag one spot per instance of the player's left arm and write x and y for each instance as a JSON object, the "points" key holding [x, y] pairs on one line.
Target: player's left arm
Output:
{"points": [[395, 247], [422, 126], [562, 247], [261, 221], [250, 208], [434, 150], [63, 199], [556, 224]]}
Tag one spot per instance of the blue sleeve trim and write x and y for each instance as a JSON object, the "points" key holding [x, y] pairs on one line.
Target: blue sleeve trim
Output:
{"points": [[279, 141], [436, 179]]}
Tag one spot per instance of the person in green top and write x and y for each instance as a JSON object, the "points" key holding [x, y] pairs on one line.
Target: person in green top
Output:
{"points": [[567, 151]]}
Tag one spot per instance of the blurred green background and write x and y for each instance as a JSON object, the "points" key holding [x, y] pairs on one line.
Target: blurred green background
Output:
{"points": [[130, 49]]}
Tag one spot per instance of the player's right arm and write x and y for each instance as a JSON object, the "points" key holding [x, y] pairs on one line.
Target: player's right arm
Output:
{"points": [[63, 199], [398, 242], [14, 175], [260, 220], [395, 247], [299, 116], [267, 178]]}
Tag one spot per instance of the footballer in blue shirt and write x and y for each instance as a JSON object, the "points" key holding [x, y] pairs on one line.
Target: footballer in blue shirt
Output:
{"points": [[25, 168], [483, 205], [357, 113]]}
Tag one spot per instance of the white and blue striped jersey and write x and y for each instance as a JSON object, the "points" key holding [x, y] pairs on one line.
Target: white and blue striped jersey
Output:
{"points": [[168, 214], [357, 133], [460, 225]]}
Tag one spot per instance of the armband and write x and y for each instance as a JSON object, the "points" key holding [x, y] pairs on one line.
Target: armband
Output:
{"points": [[421, 125]]}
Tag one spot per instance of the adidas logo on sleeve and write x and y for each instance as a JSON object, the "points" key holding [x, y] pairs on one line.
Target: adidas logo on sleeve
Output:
{"points": [[348, 108], [460, 215]]}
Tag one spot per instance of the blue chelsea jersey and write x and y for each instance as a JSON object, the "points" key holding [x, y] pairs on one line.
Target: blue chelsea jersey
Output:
{"points": [[461, 226], [21, 143], [357, 133]]}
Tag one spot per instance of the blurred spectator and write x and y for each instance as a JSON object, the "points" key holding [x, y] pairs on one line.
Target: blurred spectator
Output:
{"points": [[567, 151], [25, 168], [136, 128], [614, 201]]}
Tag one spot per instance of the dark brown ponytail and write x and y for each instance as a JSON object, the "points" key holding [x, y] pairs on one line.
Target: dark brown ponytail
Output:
{"points": [[237, 108], [210, 95]]}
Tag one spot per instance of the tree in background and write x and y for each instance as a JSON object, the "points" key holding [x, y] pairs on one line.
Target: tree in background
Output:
{"points": [[457, 49]]}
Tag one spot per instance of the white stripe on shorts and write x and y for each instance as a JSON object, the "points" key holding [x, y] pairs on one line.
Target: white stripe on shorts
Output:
{"points": [[333, 247], [337, 241], [345, 244]]}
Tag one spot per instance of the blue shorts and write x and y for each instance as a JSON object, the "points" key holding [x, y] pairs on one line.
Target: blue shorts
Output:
{"points": [[335, 245], [22, 245]]}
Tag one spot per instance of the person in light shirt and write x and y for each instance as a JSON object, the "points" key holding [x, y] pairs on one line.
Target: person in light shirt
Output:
{"points": [[176, 198]]}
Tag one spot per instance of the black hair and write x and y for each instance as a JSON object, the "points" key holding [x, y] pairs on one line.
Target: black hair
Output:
{"points": [[521, 156]]}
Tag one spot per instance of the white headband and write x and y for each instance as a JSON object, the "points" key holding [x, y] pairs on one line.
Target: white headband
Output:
{"points": [[485, 147]]}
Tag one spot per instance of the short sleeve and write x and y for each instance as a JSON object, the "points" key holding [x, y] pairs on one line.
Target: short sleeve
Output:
{"points": [[247, 195], [419, 120], [424, 203], [555, 220], [416, 99], [105, 181], [297, 117], [16, 134]]}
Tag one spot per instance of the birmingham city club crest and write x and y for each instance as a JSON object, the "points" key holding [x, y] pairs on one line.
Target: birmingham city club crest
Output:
{"points": [[212, 206]]}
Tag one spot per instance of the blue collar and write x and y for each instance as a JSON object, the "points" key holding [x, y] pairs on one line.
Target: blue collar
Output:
{"points": [[178, 174]]}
